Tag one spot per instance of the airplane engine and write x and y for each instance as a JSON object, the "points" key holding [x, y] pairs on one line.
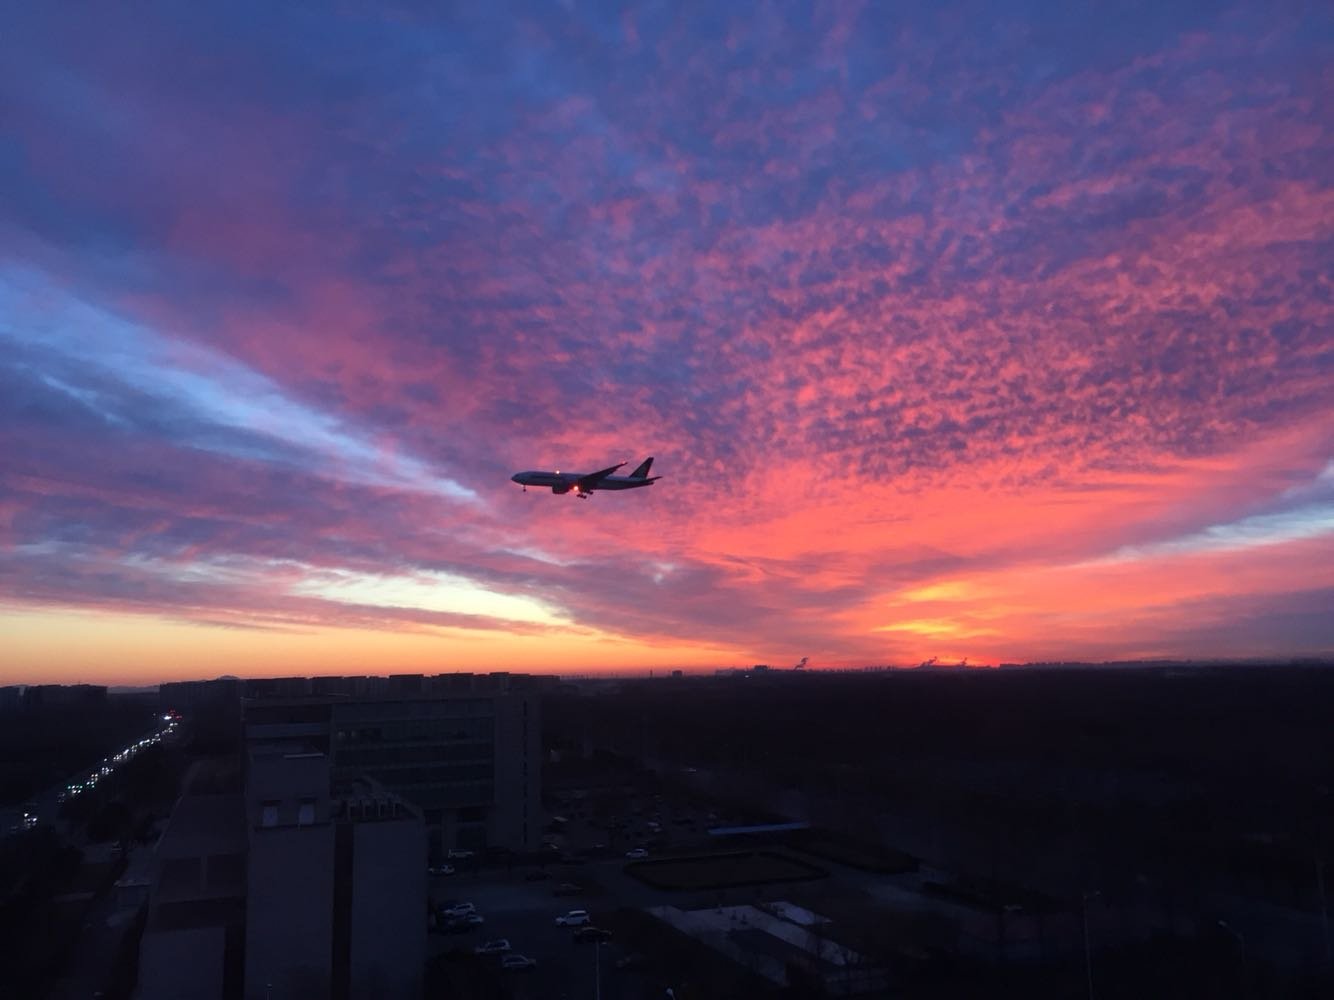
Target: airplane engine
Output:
{"points": [[561, 489]]}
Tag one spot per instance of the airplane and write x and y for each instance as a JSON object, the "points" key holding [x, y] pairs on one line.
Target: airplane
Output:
{"points": [[583, 484]]}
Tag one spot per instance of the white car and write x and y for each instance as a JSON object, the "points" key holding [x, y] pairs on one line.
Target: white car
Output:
{"points": [[638, 854], [458, 910], [440, 870], [458, 853], [575, 918], [518, 963], [497, 947]]}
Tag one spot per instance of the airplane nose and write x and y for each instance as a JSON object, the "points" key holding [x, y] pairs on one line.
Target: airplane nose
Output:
{"points": [[515, 478]]}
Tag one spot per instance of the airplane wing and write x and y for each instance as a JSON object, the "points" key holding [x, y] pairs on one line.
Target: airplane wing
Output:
{"points": [[590, 481]]}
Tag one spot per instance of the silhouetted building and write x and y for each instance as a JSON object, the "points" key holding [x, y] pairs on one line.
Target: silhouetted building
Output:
{"points": [[193, 941], [285, 891], [212, 709], [336, 896], [45, 696], [463, 748]]}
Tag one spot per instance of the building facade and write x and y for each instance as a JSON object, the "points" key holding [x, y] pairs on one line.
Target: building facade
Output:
{"points": [[464, 749], [193, 942], [336, 889]]}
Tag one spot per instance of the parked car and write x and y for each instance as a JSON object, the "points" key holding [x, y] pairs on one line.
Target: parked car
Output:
{"points": [[638, 854], [457, 910], [567, 889], [589, 933], [575, 918], [459, 853], [440, 870], [497, 947], [518, 963]]}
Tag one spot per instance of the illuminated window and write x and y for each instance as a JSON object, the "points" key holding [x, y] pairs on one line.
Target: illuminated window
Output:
{"points": [[268, 814]]}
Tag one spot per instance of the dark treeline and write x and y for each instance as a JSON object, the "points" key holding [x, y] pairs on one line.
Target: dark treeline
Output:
{"points": [[1264, 725]]}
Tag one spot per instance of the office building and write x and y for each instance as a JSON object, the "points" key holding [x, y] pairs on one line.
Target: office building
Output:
{"points": [[463, 748]]}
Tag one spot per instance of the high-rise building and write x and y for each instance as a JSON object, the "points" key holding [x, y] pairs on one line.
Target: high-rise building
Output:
{"points": [[463, 748]]}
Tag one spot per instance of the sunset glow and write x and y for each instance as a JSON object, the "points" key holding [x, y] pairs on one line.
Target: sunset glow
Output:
{"points": [[998, 332]]}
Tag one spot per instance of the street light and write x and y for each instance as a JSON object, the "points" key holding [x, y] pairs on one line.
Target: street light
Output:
{"points": [[1241, 941], [1088, 951]]}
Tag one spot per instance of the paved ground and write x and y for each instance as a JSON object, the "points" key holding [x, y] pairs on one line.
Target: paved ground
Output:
{"points": [[525, 913]]}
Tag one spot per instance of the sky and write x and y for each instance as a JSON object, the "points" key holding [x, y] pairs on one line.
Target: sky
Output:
{"points": [[956, 330]]}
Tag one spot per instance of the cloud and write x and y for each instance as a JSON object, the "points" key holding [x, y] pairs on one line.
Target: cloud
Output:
{"points": [[140, 381], [931, 300]]}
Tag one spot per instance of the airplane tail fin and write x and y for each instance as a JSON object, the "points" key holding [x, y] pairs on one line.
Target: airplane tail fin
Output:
{"points": [[642, 471]]}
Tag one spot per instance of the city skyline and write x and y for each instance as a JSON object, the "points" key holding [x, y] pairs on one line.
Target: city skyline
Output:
{"points": [[955, 332]]}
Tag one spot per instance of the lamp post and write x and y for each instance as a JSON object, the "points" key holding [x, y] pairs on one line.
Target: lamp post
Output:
{"points": [[1088, 950], [1241, 942], [597, 969], [1324, 905]]}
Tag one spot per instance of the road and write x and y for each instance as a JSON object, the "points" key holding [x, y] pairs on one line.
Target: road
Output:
{"points": [[47, 805]]}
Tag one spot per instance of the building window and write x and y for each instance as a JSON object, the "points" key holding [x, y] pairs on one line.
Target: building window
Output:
{"points": [[305, 814], [268, 814]]}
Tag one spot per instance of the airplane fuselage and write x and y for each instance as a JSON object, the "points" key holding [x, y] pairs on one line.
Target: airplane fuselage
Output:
{"points": [[562, 481], [584, 484]]}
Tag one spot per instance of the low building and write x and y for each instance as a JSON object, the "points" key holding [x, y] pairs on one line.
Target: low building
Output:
{"points": [[194, 938]]}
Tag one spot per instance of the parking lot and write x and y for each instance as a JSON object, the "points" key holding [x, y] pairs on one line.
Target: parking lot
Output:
{"points": [[524, 912], [587, 847]]}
